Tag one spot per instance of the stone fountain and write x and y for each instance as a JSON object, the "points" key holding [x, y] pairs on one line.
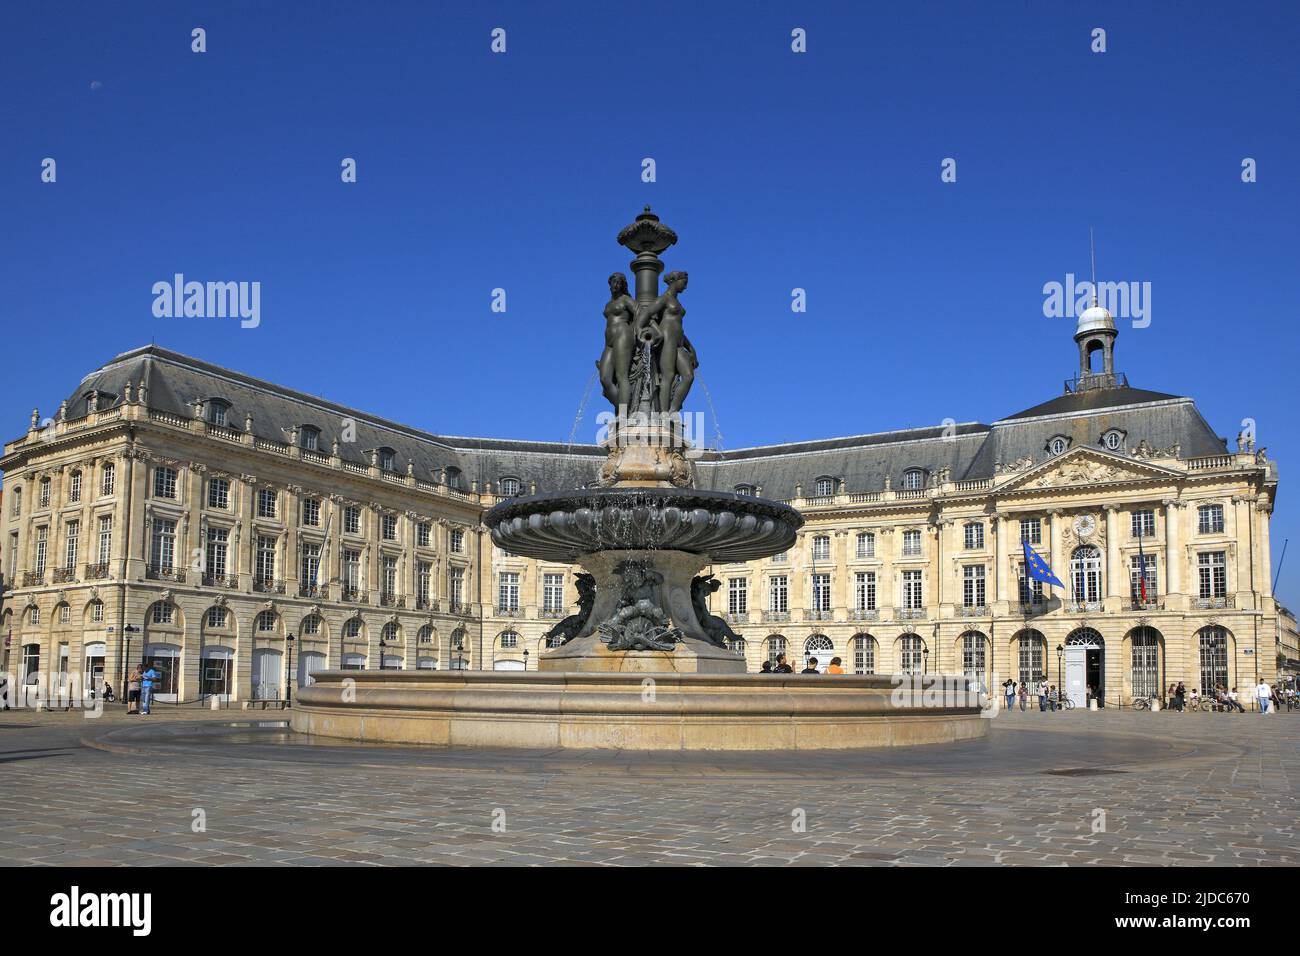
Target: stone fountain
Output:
{"points": [[643, 664]]}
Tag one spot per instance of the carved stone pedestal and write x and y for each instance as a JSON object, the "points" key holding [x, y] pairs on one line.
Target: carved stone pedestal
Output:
{"points": [[647, 455], [692, 651]]}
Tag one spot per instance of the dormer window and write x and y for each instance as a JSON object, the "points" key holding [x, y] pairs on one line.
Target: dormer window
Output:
{"points": [[1113, 440], [453, 478], [218, 412], [387, 459], [825, 486], [309, 437], [746, 490], [510, 487], [913, 479], [1057, 444]]}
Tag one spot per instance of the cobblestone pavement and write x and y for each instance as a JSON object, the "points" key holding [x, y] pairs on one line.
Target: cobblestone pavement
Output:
{"points": [[1199, 789]]}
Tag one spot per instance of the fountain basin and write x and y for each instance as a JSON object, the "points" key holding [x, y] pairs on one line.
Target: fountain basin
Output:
{"points": [[632, 711], [725, 527]]}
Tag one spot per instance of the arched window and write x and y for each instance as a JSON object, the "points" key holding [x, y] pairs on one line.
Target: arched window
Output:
{"points": [[913, 479], [1057, 444], [738, 646], [775, 648], [390, 633], [511, 487], [1145, 643], [218, 412], [217, 617], [1213, 645], [974, 656], [1030, 657], [509, 640], [825, 486], [310, 626], [554, 640], [911, 654], [1113, 440], [352, 628], [864, 654], [425, 635], [747, 490], [1085, 575], [266, 621]]}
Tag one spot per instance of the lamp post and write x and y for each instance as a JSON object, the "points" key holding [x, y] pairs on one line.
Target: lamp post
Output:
{"points": [[382, 645], [525, 658], [1060, 684], [288, 670], [460, 653], [925, 657]]}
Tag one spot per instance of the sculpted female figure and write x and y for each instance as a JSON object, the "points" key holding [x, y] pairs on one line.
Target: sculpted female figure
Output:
{"points": [[615, 363], [672, 361]]}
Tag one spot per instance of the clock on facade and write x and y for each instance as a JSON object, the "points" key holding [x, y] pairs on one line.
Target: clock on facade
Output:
{"points": [[1085, 525]]}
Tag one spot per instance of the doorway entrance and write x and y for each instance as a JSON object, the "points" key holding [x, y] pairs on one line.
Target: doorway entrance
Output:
{"points": [[1085, 667]]}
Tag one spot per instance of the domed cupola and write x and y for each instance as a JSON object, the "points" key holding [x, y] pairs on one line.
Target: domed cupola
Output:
{"points": [[1096, 332]]}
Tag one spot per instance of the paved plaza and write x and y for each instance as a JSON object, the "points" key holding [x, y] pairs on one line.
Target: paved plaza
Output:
{"points": [[1109, 788]]}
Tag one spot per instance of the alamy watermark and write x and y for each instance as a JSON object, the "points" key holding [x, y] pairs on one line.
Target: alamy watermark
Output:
{"points": [[1123, 300], [208, 300]]}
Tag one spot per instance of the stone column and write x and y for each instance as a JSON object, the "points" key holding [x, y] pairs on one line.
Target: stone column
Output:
{"points": [[1173, 561], [1001, 527], [1260, 530], [1114, 571]]}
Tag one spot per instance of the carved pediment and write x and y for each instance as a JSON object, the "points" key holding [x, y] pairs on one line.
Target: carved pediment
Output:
{"points": [[1082, 467]]}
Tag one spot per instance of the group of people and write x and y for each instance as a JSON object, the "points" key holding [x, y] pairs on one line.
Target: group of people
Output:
{"points": [[782, 666], [140, 687], [1224, 698], [1049, 698]]}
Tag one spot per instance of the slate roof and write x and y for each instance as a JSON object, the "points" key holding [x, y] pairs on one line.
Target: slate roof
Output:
{"points": [[970, 450]]}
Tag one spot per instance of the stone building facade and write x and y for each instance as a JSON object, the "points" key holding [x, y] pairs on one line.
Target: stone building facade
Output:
{"points": [[239, 534]]}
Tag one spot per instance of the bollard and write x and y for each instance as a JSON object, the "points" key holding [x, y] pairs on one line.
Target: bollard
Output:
{"points": [[1155, 705], [1092, 703]]}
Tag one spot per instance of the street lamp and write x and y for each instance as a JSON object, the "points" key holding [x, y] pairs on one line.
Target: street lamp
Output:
{"points": [[460, 653], [1060, 685], [525, 658], [925, 656], [382, 645], [288, 670]]}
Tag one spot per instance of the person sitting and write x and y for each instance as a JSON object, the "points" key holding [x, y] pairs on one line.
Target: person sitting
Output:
{"points": [[836, 666], [810, 667]]}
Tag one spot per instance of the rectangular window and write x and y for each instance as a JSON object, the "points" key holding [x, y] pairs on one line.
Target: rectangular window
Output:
{"points": [[821, 548], [1031, 591], [821, 592], [162, 614], [351, 569], [311, 512], [219, 493], [778, 594], [1135, 577], [388, 572], [423, 572], [45, 493], [553, 593], [97, 611], [1209, 519], [309, 566], [42, 546], [1031, 530], [71, 543], [264, 565], [456, 587], [266, 503], [972, 586], [217, 551], [508, 591], [737, 596], [866, 545], [864, 591], [422, 534], [163, 550], [1144, 524], [456, 541], [105, 538], [164, 482], [107, 480], [1212, 568], [389, 526], [911, 543], [974, 536], [74, 487], [352, 519], [913, 598]]}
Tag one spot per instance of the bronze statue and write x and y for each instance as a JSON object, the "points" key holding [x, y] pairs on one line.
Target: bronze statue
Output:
{"points": [[718, 630], [615, 364], [677, 361], [571, 626], [639, 624]]}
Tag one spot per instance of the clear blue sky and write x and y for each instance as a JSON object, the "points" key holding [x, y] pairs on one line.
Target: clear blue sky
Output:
{"points": [[778, 170]]}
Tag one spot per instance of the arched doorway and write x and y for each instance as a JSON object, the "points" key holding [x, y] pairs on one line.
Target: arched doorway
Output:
{"points": [[1146, 662], [911, 653], [1213, 642], [1031, 659], [818, 646], [1085, 667], [974, 660], [268, 672], [216, 671], [93, 668], [308, 663]]}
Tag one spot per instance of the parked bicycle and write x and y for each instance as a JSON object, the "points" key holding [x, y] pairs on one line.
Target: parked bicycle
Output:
{"points": [[1142, 703]]}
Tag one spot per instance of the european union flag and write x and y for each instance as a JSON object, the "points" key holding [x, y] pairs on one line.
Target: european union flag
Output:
{"points": [[1037, 568]]}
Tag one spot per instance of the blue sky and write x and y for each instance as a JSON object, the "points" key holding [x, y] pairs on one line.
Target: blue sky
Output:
{"points": [[778, 170]]}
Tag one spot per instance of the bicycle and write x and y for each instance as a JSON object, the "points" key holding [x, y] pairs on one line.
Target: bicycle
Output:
{"points": [[1142, 703]]}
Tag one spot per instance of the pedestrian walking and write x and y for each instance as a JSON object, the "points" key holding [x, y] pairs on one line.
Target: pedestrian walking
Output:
{"points": [[1024, 696], [1009, 688], [1263, 694], [1042, 696], [1180, 697], [148, 683]]}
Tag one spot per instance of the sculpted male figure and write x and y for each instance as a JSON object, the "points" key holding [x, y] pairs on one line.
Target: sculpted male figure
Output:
{"points": [[615, 363]]}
